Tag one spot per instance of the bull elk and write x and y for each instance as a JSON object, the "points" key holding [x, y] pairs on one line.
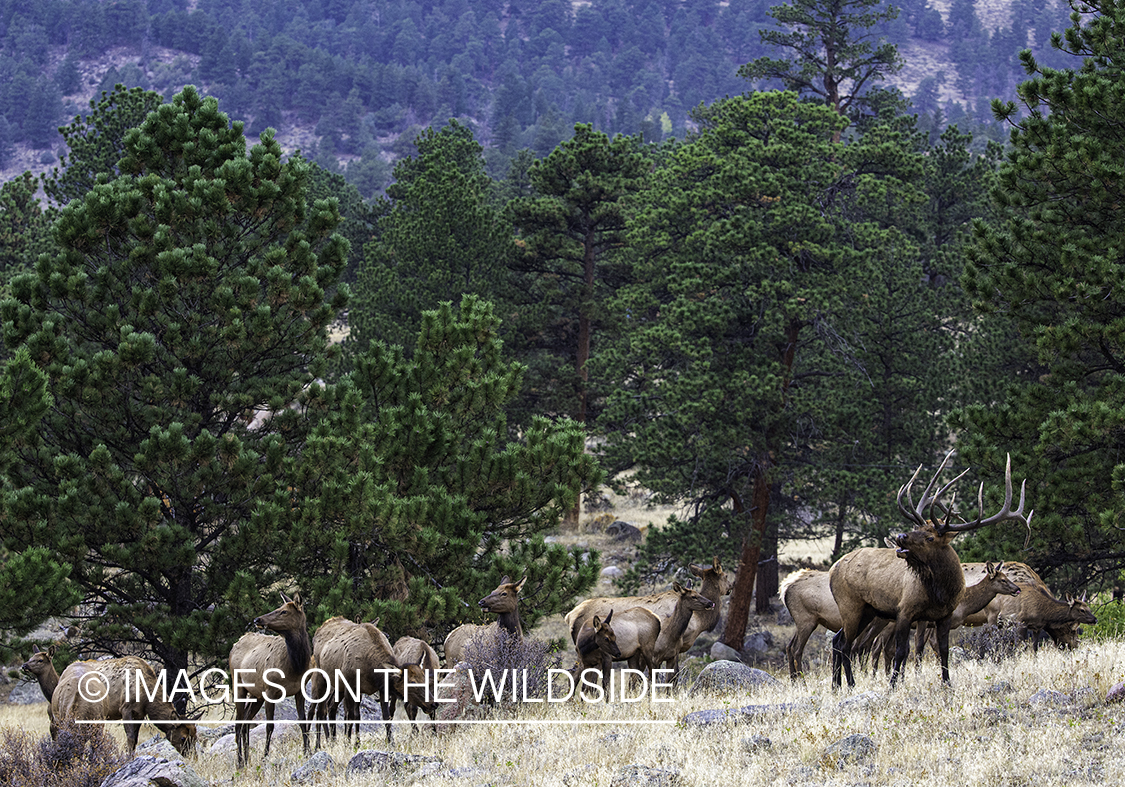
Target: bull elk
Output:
{"points": [[120, 688], [715, 584], [503, 602], [920, 579], [259, 663]]}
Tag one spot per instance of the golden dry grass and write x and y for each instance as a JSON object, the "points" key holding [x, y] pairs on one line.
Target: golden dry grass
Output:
{"points": [[986, 728]]}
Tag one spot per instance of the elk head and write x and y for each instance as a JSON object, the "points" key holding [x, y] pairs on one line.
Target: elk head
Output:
{"points": [[290, 616], [604, 636], [932, 534], [505, 599], [1080, 611], [996, 576]]}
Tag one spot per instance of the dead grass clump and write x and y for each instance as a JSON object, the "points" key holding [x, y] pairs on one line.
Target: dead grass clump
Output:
{"points": [[81, 756], [509, 657], [994, 643]]}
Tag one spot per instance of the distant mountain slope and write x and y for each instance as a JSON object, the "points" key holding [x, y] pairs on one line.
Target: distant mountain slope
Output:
{"points": [[351, 82]]}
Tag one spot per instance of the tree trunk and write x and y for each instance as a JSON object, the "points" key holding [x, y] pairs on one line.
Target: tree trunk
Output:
{"points": [[739, 611], [767, 580]]}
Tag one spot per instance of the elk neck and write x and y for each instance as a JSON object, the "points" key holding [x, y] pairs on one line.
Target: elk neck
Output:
{"points": [[299, 648], [510, 622]]}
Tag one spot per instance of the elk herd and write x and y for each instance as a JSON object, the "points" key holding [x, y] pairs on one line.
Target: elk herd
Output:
{"points": [[875, 599]]}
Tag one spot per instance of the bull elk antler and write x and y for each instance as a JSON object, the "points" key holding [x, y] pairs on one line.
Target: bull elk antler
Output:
{"points": [[915, 513]]}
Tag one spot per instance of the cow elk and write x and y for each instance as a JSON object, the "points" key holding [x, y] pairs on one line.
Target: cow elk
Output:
{"points": [[120, 688], [260, 663], [504, 602], [359, 659], [921, 579], [715, 584], [808, 598], [41, 666]]}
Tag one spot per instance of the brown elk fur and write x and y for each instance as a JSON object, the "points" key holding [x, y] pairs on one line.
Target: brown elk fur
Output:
{"points": [[289, 656], [920, 580], [1044, 613], [716, 584], [411, 650], [504, 602], [73, 699], [1037, 609]]}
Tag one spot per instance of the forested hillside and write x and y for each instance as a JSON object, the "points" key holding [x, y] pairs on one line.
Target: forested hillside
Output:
{"points": [[351, 82]]}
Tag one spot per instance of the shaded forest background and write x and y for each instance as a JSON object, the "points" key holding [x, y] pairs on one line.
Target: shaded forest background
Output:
{"points": [[351, 84]]}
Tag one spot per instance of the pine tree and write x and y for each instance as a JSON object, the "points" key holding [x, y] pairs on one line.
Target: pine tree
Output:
{"points": [[418, 502], [834, 56], [569, 231], [33, 584], [1053, 266], [439, 238], [96, 141], [765, 260], [184, 314]]}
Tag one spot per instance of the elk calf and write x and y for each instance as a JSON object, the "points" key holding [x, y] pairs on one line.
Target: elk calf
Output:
{"points": [[115, 681], [259, 663]]}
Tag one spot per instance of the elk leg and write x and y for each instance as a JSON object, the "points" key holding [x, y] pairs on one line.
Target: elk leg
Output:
{"points": [[920, 641], [841, 659], [902, 647], [302, 719], [388, 714], [131, 731], [943, 626], [269, 728], [795, 650]]}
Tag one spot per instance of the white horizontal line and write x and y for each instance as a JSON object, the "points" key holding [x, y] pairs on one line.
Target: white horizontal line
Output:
{"points": [[338, 723]]}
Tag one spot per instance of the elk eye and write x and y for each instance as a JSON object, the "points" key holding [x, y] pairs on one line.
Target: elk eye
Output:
{"points": [[929, 538]]}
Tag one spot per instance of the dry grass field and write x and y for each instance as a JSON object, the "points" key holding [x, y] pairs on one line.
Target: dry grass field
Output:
{"points": [[1036, 719]]}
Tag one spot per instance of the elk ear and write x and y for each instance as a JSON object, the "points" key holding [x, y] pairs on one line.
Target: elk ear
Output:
{"points": [[990, 569], [609, 617], [284, 599], [520, 584], [51, 651], [596, 623], [297, 601], [715, 564], [699, 571], [676, 586], [505, 580]]}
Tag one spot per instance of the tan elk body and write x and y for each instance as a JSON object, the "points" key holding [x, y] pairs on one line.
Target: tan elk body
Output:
{"points": [[504, 602], [995, 583], [281, 660], [108, 690], [807, 596], [362, 656], [919, 580], [715, 584]]}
